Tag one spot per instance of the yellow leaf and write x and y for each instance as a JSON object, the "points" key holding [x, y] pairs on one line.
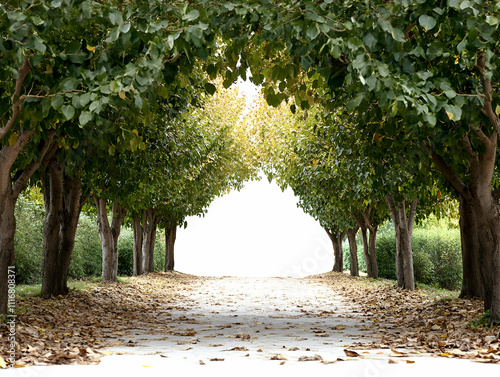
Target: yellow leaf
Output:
{"points": [[3, 364], [107, 353], [497, 110], [13, 139], [146, 366], [450, 115], [445, 354], [122, 95], [90, 48]]}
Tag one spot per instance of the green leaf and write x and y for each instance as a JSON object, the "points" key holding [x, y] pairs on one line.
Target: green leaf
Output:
{"points": [[210, 88], [68, 112], [450, 93], [57, 102], [453, 112], [492, 20], [87, 9], [313, 32], [56, 3], [369, 41], [427, 22], [191, 16], [84, 118]]}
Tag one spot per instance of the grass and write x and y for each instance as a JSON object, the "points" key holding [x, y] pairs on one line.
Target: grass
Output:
{"points": [[438, 294], [34, 290]]}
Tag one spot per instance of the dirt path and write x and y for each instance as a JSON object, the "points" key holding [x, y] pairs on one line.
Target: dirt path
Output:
{"points": [[220, 325]]}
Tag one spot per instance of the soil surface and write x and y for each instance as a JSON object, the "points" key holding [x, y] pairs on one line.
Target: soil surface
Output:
{"points": [[327, 324]]}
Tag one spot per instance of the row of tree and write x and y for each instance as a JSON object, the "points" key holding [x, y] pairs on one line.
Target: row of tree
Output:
{"points": [[417, 75]]}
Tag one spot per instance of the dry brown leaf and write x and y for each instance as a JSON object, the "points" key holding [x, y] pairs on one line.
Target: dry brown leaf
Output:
{"points": [[396, 353], [311, 358], [280, 356], [350, 353]]}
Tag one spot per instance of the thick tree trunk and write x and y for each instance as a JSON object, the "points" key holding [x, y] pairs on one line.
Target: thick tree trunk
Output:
{"points": [[170, 236], [63, 201], [479, 208], [337, 238], [7, 233], [403, 227], [471, 225], [353, 250], [9, 192], [137, 252], [108, 235]]}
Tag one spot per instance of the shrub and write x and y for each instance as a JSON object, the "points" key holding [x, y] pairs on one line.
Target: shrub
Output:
{"points": [[28, 240], [86, 259]]}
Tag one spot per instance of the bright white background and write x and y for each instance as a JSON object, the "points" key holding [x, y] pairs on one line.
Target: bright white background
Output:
{"points": [[258, 231]]}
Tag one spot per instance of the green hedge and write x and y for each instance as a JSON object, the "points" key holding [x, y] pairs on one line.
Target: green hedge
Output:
{"points": [[437, 256]]}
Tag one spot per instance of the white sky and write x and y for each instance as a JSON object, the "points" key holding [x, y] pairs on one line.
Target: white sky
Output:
{"points": [[258, 231]]}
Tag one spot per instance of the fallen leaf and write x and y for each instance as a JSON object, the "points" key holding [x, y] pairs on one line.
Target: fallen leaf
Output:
{"points": [[350, 353], [280, 356], [311, 358], [396, 353]]}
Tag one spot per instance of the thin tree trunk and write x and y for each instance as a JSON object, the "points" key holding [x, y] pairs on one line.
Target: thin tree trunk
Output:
{"points": [[337, 239], [150, 222], [403, 227], [108, 234], [369, 242], [137, 252], [353, 251], [63, 201], [170, 236]]}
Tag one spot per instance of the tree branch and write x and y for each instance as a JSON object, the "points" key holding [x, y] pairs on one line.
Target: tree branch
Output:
{"points": [[413, 214], [33, 165], [16, 97], [367, 220], [449, 174], [468, 147], [488, 89]]}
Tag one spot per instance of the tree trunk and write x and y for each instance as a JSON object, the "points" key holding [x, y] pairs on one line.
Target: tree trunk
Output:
{"points": [[170, 236], [470, 225], [150, 222], [137, 253], [369, 242], [353, 250], [9, 192], [337, 238], [479, 208], [403, 227], [7, 233], [108, 235], [63, 202]]}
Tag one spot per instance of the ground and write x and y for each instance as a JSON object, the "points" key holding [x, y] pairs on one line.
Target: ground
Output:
{"points": [[168, 320]]}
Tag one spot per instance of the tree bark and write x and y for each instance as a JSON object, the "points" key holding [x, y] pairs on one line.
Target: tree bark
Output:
{"points": [[369, 242], [170, 236], [108, 235], [137, 252], [471, 225], [150, 222], [337, 238], [480, 211], [353, 250], [63, 202], [9, 192], [403, 227]]}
